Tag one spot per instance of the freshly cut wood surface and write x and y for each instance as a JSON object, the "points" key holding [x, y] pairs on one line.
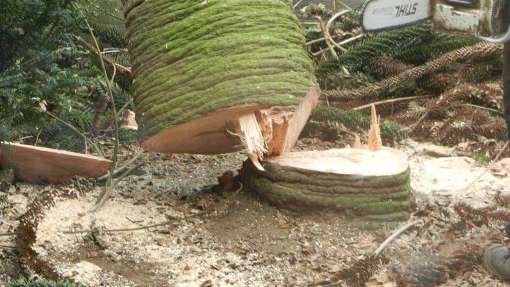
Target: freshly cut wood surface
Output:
{"points": [[39, 164], [223, 132], [354, 162], [129, 121], [370, 185], [205, 135]]}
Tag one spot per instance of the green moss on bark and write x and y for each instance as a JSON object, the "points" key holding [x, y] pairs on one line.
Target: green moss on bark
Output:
{"points": [[366, 198], [193, 57]]}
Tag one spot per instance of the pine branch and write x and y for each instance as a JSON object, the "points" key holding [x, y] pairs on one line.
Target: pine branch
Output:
{"points": [[356, 120], [388, 43], [481, 50], [386, 66]]}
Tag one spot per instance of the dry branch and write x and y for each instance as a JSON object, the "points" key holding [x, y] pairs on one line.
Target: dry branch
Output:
{"points": [[122, 70], [103, 196], [120, 229], [389, 101]]}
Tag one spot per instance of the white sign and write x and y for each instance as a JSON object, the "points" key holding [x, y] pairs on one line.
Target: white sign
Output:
{"points": [[379, 15]]}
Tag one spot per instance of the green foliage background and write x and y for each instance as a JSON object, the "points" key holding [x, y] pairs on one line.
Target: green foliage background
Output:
{"points": [[44, 67]]}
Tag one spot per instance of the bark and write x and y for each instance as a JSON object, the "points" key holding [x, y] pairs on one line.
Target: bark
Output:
{"points": [[200, 66]]}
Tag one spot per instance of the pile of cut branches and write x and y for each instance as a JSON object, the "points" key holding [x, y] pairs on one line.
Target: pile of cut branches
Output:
{"points": [[433, 86]]}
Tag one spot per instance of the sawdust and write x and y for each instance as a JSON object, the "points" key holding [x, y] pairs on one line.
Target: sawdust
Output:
{"points": [[450, 179], [186, 254], [89, 274], [235, 240]]}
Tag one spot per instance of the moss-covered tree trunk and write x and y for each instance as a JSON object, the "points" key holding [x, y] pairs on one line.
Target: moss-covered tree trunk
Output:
{"points": [[372, 186], [201, 66]]}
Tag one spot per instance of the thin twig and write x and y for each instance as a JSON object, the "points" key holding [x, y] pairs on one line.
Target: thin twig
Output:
{"points": [[241, 187], [388, 101], [123, 167], [8, 246], [110, 120], [85, 138], [344, 42], [103, 197], [320, 40], [7, 234], [346, 6], [120, 229], [125, 71], [37, 136], [297, 4], [482, 108], [487, 169], [325, 34], [394, 236], [127, 172], [328, 27], [414, 126]]}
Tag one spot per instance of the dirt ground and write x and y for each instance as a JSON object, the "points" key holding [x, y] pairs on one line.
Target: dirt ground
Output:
{"points": [[214, 238]]}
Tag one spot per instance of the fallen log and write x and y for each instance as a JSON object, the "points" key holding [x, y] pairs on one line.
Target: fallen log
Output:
{"points": [[219, 76], [44, 165], [369, 185]]}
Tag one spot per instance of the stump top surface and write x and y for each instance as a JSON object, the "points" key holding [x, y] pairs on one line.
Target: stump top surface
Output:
{"points": [[347, 161]]}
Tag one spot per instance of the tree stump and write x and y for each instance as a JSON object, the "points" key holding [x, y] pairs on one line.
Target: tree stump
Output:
{"points": [[371, 185]]}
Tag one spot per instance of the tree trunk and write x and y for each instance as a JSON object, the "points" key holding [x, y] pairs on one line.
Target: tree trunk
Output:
{"points": [[370, 185], [219, 76]]}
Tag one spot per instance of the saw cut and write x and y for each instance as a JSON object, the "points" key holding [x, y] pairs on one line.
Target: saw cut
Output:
{"points": [[219, 76], [368, 185]]}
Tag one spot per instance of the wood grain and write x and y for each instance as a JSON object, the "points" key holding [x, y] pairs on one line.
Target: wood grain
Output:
{"points": [[45, 165]]}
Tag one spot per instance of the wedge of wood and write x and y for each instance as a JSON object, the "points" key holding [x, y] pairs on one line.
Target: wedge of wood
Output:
{"points": [[129, 121], [44, 165]]}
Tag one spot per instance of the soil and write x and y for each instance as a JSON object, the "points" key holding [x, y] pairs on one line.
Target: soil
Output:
{"points": [[218, 238]]}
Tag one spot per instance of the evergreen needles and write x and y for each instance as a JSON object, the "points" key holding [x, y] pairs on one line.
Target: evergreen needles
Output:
{"points": [[357, 120]]}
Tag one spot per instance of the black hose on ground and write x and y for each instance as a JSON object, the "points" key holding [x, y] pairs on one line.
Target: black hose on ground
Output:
{"points": [[506, 78], [506, 86]]}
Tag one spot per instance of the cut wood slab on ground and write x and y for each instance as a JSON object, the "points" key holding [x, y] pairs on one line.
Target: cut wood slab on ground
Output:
{"points": [[371, 185], [39, 164]]}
